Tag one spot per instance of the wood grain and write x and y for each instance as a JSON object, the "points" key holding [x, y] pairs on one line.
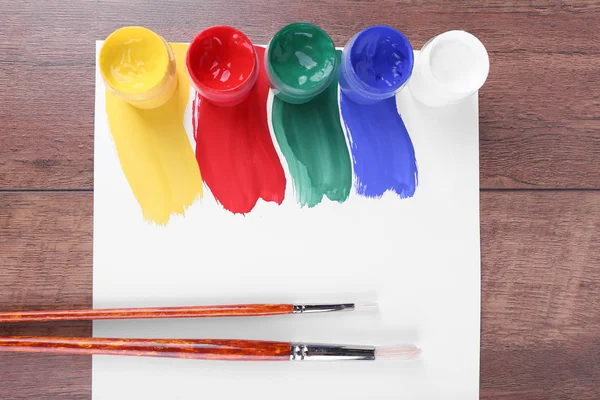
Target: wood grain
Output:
{"points": [[46, 248], [540, 292], [234, 310], [540, 109], [199, 349], [45, 263], [540, 295], [45, 377]]}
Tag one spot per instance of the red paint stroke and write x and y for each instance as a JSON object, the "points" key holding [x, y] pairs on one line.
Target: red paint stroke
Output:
{"points": [[234, 150]]}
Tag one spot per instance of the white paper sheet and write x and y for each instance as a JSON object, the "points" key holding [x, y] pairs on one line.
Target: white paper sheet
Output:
{"points": [[418, 258]]}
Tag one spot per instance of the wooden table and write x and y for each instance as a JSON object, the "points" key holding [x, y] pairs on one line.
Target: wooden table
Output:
{"points": [[540, 171]]}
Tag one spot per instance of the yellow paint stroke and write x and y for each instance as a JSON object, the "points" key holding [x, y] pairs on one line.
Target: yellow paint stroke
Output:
{"points": [[155, 152]]}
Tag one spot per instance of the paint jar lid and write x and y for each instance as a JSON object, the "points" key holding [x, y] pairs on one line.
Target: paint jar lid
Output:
{"points": [[301, 62], [377, 62], [222, 65], [138, 66]]}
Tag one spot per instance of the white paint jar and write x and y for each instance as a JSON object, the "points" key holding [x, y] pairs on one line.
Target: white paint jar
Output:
{"points": [[449, 68]]}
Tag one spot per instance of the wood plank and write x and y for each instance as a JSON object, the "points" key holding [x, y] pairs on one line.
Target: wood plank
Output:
{"points": [[46, 250], [540, 114], [540, 291], [540, 295], [58, 33], [51, 377], [45, 262]]}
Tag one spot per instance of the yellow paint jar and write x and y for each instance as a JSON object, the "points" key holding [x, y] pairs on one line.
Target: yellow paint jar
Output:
{"points": [[138, 66]]}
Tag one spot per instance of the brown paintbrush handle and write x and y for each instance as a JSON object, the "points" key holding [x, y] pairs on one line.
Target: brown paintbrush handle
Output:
{"points": [[204, 349], [237, 310]]}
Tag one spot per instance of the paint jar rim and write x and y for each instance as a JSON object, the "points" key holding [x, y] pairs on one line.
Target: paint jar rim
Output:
{"points": [[299, 95], [147, 97], [229, 96], [482, 62], [359, 85]]}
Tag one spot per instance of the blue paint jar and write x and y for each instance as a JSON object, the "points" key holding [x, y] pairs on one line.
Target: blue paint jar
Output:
{"points": [[376, 64]]}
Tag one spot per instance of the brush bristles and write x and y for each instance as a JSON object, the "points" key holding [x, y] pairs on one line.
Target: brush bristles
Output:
{"points": [[365, 306], [397, 352]]}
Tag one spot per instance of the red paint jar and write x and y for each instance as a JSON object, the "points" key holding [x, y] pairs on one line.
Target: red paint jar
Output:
{"points": [[222, 65]]}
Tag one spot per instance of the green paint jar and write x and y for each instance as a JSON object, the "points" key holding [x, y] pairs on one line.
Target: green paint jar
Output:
{"points": [[301, 62]]}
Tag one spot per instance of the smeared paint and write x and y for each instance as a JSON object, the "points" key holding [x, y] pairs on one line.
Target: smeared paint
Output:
{"points": [[235, 152], [312, 141], [382, 152], [154, 151]]}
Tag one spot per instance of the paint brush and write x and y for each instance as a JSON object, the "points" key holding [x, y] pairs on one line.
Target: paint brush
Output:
{"points": [[207, 349], [236, 310]]}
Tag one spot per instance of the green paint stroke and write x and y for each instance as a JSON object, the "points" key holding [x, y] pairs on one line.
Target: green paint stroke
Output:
{"points": [[312, 141]]}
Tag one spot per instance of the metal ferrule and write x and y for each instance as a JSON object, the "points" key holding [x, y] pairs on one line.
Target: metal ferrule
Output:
{"points": [[326, 352], [317, 308]]}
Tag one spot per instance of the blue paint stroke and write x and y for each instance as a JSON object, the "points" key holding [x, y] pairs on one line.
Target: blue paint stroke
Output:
{"points": [[382, 152]]}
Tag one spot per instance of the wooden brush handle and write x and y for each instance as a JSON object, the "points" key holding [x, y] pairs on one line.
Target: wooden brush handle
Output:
{"points": [[204, 349], [238, 310]]}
